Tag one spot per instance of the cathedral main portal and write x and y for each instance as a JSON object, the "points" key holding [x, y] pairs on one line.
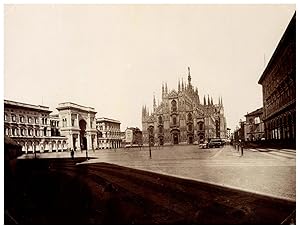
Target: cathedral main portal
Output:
{"points": [[175, 137], [191, 139]]}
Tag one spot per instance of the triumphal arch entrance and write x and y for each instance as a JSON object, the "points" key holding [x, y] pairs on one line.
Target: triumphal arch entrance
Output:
{"points": [[78, 124]]}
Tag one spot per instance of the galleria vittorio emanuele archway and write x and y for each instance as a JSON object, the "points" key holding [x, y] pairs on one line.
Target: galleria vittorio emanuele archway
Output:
{"points": [[78, 125]]}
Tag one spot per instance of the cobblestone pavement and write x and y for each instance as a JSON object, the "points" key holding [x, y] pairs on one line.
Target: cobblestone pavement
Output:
{"points": [[267, 171]]}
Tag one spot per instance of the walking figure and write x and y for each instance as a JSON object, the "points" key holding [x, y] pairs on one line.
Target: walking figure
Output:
{"points": [[86, 154], [72, 153]]}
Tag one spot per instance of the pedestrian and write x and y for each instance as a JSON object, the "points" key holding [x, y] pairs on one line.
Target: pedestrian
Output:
{"points": [[72, 153], [242, 150], [86, 154]]}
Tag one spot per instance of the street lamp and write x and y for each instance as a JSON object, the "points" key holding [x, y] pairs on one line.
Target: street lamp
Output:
{"points": [[149, 142], [149, 147]]}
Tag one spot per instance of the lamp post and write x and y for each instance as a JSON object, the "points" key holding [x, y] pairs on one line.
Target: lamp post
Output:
{"points": [[149, 147]]}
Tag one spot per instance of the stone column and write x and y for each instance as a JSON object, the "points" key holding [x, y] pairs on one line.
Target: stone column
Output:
{"points": [[26, 147], [69, 122], [70, 140], [50, 146], [89, 141], [95, 141], [77, 121]]}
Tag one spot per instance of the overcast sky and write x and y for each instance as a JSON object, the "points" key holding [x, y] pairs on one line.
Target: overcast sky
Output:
{"points": [[114, 58]]}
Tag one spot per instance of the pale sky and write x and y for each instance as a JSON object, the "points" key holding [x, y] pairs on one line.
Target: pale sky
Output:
{"points": [[114, 58]]}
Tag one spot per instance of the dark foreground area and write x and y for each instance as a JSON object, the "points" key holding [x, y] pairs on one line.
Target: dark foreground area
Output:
{"points": [[57, 191]]}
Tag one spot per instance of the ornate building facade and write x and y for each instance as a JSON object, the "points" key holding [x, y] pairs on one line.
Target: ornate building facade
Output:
{"points": [[78, 124], [108, 132], [180, 118], [279, 90], [74, 127], [31, 127], [254, 126]]}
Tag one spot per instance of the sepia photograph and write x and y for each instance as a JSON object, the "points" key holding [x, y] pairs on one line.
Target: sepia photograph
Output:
{"points": [[149, 114]]}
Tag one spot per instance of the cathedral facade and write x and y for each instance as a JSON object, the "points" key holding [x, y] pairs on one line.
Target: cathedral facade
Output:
{"points": [[180, 118]]}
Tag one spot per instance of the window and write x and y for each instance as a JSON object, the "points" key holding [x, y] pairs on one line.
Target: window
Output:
{"points": [[160, 130], [21, 119], [151, 130], [23, 132], [200, 126], [36, 120], [29, 119], [72, 120], [190, 127], [257, 120], [6, 131], [5, 117], [160, 120], [190, 117], [30, 132], [174, 106], [174, 120], [13, 118], [64, 122]]}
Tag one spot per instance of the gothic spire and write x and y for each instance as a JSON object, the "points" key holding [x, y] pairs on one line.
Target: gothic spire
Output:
{"points": [[182, 86], [208, 100], [211, 101], [204, 100], [162, 90], [166, 89], [154, 102], [178, 85], [189, 76]]}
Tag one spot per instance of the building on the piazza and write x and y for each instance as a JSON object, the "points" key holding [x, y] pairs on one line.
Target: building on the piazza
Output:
{"points": [[108, 133], [123, 138], [181, 118], [239, 133], [30, 126], [78, 124], [133, 136], [254, 126], [279, 90], [228, 135]]}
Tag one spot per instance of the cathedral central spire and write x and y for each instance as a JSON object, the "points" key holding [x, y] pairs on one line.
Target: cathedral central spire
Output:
{"points": [[189, 76]]}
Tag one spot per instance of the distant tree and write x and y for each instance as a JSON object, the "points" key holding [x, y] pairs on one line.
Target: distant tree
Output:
{"points": [[137, 137]]}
